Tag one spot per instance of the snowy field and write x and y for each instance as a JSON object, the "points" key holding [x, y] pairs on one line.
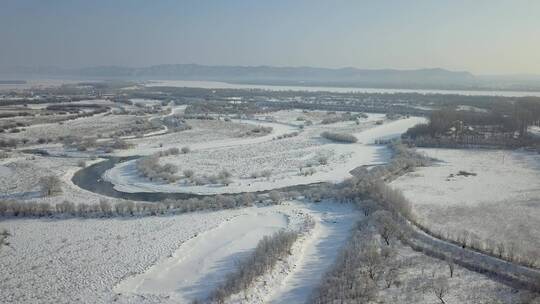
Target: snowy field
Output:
{"points": [[206, 134], [20, 174], [499, 202], [286, 159], [171, 259], [80, 261]]}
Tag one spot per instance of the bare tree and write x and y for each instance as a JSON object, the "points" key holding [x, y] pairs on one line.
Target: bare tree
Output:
{"points": [[440, 288], [372, 260], [390, 276], [451, 265]]}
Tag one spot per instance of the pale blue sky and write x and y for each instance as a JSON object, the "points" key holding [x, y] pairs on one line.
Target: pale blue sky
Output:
{"points": [[484, 37]]}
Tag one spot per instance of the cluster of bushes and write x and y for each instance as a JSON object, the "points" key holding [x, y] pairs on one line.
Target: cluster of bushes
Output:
{"points": [[176, 123], [150, 168], [223, 178], [13, 125], [81, 144], [85, 114], [86, 143], [173, 151], [307, 172], [257, 131], [222, 107], [322, 160], [268, 252], [168, 152], [287, 135], [14, 114], [8, 143], [264, 173], [115, 144], [344, 117], [340, 137], [199, 117], [128, 208]]}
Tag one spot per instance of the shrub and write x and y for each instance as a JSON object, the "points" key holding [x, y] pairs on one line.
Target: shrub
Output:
{"points": [[307, 171], [121, 144], [266, 173], [323, 160], [275, 196], [186, 150], [189, 173], [3, 238]]}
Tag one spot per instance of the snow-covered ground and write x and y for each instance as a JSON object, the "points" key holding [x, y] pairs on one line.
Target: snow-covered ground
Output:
{"points": [[287, 159], [500, 203], [202, 262], [81, 260], [171, 259]]}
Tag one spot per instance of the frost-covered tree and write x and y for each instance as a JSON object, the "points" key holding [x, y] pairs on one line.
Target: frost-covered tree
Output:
{"points": [[386, 225], [50, 185]]}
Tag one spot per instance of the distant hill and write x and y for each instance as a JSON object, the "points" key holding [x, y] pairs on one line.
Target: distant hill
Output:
{"points": [[288, 75], [435, 78]]}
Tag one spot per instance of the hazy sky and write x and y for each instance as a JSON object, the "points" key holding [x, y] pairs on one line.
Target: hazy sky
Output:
{"points": [[484, 37]]}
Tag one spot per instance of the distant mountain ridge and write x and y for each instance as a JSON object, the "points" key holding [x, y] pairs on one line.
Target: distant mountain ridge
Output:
{"points": [[285, 75], [387, 78]]}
